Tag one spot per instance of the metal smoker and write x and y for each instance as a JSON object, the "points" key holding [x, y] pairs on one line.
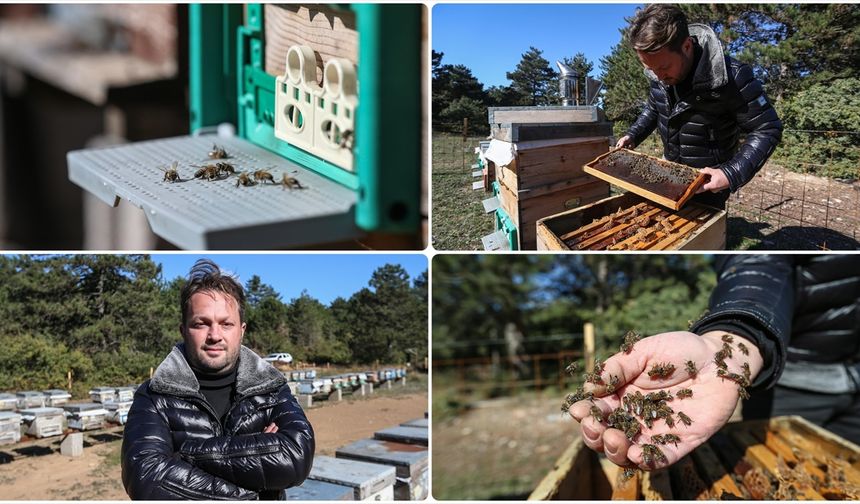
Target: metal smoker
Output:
{"points": [[568, 85]]}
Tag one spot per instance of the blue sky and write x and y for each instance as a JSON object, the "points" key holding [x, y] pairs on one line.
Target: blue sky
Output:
{"points": [[324, 276], [491, 38]]}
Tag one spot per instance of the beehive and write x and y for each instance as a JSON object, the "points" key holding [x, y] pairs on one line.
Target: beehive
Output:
{"points": [[545, 177], [410, 462], [86, 416], [628, 222], [785, 458], [30, 399], [56, 397], [10, 427], [8, 401], [124, 394], [43, 422], [103, 394]]}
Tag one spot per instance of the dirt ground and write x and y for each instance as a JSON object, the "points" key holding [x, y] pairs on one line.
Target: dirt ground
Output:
{"points": [[96, 475], [501, 449]]}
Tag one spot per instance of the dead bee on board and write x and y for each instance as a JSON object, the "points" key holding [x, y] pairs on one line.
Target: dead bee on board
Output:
{"points": [[684, 393], [691, 368], [218, 152], [684, 418], [208, 172], [225, 169], [630, 339], [245, 180], [171, 174], [743, 348], [661, 370], [291, 182], [264, 175]]}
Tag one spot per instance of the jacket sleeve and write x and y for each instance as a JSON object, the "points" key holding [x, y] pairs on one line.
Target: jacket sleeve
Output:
{"points": [[758, 120], [754, 298], [261, 461], [151, 470], [646, 122]]}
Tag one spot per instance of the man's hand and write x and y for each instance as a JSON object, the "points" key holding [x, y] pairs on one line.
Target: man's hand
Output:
{"points": [[626, 142], [717, 182], [710, 407], [270, 429]]}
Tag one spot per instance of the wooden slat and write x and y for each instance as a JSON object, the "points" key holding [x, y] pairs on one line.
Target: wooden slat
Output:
{"points": [[626, 489], [571, 476], [761, 456], [656, 198], [594, 225], [714, 473], [329, 32], [657, 485]]}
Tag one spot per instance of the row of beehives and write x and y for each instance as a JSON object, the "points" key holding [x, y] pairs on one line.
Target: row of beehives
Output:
{"points": [[57, 397], [47, 421], [391, 465], [350, 381]]}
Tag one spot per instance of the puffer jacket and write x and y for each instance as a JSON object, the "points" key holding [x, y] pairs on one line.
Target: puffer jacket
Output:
{"points": [[174, 447], [703, 128], [798, 308]]}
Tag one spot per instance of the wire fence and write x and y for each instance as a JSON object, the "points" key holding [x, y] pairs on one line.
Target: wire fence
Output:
{"points": [[490, 375], [806, 197]]}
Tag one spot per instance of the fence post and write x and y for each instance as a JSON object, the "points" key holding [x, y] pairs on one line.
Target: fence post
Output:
{"points": [[536, 360], [588, 341], [69, 376]]}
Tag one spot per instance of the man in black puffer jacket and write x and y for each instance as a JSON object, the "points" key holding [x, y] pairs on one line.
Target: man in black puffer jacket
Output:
{"points": [[791, 323], [215, 421], [701, 101]]}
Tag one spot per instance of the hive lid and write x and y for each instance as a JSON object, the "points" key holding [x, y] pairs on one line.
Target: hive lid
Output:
{"points": [[41, 411], [81, 407], [663, 182]]}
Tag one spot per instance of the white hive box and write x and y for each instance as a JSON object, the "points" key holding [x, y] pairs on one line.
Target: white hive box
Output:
{"points": [[43, 422], [56, 397], [10, 427], [103, 394], [124, 394], [117, 412], [86, 416], [8, 402], [30, 399]]}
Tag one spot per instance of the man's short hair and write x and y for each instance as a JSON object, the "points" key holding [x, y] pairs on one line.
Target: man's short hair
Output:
{"points": [[206, 276], [658, 26]]}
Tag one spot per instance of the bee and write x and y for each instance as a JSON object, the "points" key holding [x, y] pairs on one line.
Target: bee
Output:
{"points": [[691, 368], [743, 348], [225, 169], [662, 370], [263, 175], [208, 172], [743, 392], [218, 152], [171, 174], [627, 473], [346, 140], [568, 402], [651, 453], [658, 439], [593, 378], [684, 393], [291, 182], [746, 367], [667, 227], [728, 349], [571, 368], [684, 418], [630, 338], [632, 429], [727, 338], [642, 221], [671, 438], [669, 421], [597, 414], [244, 180], [598, 366], [719, 360], [613, 382]]}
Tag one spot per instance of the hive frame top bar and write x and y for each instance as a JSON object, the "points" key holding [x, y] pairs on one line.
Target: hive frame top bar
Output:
{"points": [[200, 214]]}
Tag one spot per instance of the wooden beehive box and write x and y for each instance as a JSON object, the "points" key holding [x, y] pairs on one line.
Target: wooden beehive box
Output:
{"points": [[546, 177], [785, 458], [610, 224]]}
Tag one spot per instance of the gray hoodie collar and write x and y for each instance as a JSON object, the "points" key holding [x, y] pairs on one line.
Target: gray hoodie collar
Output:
{"points": [[711, 72], [174, 375]]}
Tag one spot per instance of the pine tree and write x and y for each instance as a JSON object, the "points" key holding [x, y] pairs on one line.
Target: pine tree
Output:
{"points": [[532, 78]]}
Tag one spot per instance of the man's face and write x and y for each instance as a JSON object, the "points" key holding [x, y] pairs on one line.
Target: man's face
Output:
{"points": [[213, 334], [671, 67]]}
